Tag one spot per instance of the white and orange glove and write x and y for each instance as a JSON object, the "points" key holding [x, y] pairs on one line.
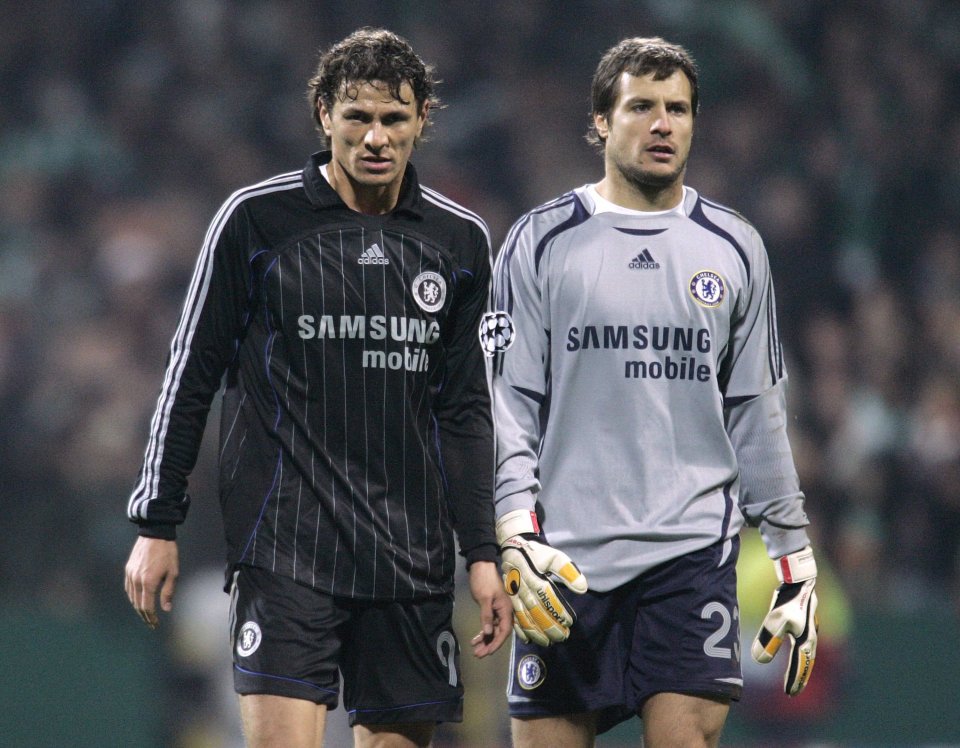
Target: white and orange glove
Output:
{"points": [[541, 615], [793, 615]]}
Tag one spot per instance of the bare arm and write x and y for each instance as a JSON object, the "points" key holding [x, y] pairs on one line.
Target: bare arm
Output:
{"points": [[153, 567]]}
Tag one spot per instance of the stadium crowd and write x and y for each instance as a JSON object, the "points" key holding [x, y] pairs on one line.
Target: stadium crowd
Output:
{"points": [[833, 126]]}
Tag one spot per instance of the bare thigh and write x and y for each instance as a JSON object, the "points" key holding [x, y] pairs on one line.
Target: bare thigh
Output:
{"points": [[567, 731], [673, 720], [282, 722], [406, 735]]}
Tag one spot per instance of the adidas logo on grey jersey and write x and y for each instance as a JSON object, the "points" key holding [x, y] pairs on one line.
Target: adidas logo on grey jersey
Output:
{"points": [[373, 256], [644, 261]]}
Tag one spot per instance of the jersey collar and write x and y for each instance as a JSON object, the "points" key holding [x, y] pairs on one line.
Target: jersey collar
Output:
{"points": [[323, 195]]}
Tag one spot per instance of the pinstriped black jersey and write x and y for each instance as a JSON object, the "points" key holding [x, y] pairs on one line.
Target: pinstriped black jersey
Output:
{"points": [[356, 431]]}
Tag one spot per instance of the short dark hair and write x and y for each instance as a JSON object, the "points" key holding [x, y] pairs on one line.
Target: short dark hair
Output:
{"points": [[370, 54], [637, 56]]}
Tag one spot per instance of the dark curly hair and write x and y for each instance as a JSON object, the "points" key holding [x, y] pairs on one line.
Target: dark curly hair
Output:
{"points": [[638, 56], [370, 54]]}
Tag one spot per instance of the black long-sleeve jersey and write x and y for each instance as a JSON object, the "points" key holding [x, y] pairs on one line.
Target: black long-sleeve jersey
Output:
{"points": [[356, 431]]}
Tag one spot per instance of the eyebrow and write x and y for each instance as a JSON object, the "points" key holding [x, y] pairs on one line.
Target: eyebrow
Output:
{"points": [[641, 99], [394, 108]]}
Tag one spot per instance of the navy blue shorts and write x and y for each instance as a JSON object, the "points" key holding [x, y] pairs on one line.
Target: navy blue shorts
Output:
{"points": [[673, 629], [400, 661]]}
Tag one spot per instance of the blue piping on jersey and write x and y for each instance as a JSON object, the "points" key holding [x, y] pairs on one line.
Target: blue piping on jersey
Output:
{"points": [[537, 397], [276, 397], [407, 706], [580, 214], [640, 232], [727, 510], [776, 350], [733, 402], [263, 507], [510, 247], [247, 317], [699, 217], [267, 351], [288, 680]]}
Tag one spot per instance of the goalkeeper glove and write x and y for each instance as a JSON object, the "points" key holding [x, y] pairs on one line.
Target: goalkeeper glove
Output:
{"points": [[793, 614], [540, 613]]}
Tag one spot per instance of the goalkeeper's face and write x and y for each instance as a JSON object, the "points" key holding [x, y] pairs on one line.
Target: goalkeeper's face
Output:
{"points": [[648, 131], [372, 134]]}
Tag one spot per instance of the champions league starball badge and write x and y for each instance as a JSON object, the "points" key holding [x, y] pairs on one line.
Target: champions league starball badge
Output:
{"points": [[707, 289], [496, 332]]}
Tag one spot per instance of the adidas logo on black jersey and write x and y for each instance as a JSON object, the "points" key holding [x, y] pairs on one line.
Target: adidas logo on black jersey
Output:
{"points": [[644, 261], [373, 256]]}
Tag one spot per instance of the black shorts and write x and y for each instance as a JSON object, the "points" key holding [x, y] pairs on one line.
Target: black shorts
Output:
{"points": [[400, 660], [673, 629]]}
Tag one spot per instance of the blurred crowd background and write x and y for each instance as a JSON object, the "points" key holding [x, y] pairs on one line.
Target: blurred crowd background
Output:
{"points": [[833, 125]]}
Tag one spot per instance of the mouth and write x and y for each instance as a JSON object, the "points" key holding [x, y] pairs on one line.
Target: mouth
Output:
{"points": [[661, 152], [375, 163]]}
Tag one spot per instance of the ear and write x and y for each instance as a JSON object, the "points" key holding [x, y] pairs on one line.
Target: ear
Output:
{"points": [[325, 119], [602, 125], [422, 117]]}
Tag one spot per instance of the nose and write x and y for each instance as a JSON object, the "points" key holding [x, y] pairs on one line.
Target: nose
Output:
{"points": [[661, 121], [376, 137]]}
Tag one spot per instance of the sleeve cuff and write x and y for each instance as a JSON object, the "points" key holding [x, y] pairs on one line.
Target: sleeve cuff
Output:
{"points": [[484, 552], [782, 541], [157, 530]]}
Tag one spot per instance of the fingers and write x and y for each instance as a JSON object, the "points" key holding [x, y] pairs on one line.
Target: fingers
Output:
{"points": [[481, 642], [541, 614], [765, 646], [546, 607], [496, 612], [569, 573], [540, 611], [497, 620], [770, 636], [803, 653], [526, 629], [141, 596], [538, 608], [166, 593], [144, 595], [134, 587], [802, 657], [151, 569], [521, 633], [798, 625]]}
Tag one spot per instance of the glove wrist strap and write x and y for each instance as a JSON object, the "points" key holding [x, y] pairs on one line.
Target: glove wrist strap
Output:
{"points": [[517, 522], [796, 567]]}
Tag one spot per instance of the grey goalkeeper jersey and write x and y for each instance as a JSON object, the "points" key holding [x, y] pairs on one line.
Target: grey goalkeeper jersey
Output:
{"points": [[639, 384]]}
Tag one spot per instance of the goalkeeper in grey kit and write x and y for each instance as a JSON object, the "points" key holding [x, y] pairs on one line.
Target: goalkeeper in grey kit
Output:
{"points": [[640, 415]]}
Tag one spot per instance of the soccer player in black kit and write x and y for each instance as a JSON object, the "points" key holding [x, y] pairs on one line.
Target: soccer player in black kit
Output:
{"points": [[338, 307]]}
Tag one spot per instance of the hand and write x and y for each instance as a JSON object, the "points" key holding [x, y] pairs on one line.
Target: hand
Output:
{"points": [[540, 612], [153, 565], [793, 615], [495, 612]]}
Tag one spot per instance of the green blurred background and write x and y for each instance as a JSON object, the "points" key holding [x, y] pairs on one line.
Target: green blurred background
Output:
{"points": [[834, 126]]}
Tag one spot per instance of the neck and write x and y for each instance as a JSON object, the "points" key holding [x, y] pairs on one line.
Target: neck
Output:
{"points": [[640, 195], [374, 200]]}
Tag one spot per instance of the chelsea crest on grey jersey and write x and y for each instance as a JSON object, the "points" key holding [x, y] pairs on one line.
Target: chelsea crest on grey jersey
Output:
{"points": [[638, 383]]}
